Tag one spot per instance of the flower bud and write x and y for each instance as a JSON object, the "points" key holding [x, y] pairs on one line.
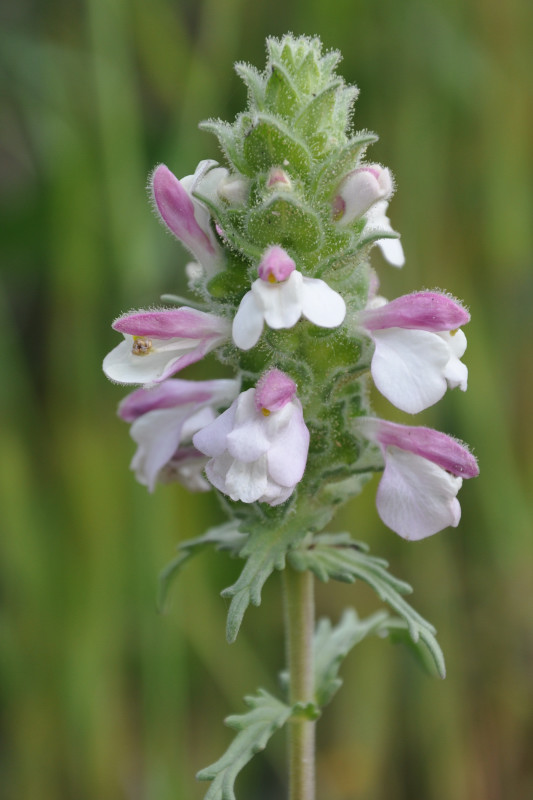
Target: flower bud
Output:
{"points": [[278, 179], [359, 191]]}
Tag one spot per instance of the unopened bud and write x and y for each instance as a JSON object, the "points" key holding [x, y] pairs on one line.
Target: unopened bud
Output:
{"points": [[360, 190], [278, 179]]}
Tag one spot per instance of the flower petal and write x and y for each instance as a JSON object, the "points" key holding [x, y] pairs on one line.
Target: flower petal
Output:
{"points": [[322, 305], [177, 210], [248, 322], [170, 323], [416, 498], [428, 311], [287, 455], [170, 394], [408, 367], [438, 447], [281, 302], [211, 440]]}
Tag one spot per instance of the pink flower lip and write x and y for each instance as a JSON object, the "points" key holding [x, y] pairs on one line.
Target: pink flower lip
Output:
{"points": [[168, 394], [170, 323], [276, 265], [274, 390], [428, 311], [441, 449]]}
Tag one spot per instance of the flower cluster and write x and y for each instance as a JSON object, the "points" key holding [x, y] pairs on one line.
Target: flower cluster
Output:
{"points": [[281, 243]]}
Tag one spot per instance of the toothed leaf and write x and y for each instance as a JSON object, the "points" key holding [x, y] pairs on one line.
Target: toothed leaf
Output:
{"points": [[255, 728]]}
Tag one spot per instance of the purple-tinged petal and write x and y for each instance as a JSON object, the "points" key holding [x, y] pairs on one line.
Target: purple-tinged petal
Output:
{"points": [[177, 210], [274, 390], [275, 265], [251, 446], [429, 311], [174, 393], [211, 440], [171, 323], [432, 445]]}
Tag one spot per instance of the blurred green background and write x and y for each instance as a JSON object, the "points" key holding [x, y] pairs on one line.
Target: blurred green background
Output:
{"points": [[104, 698]]}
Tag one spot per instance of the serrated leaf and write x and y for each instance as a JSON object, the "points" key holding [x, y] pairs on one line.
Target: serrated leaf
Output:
{"points": [[254, 728], [223, 537], [266, 549], [331, 646], [338, 556], [398, 633]]}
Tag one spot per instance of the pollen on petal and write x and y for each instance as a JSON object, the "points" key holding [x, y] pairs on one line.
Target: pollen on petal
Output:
{"points": [[141, 346]]}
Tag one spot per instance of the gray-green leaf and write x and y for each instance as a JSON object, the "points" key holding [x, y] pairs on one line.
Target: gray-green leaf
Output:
{"points": [[267, 715], [338, 556]]}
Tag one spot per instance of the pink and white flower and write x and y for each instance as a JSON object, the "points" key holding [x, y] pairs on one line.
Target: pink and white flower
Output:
{"points": [[418, 347], [280, 296], [424, 470], [157, 344], [186, 216], [360, 190], [258, 447], [165, 418]]}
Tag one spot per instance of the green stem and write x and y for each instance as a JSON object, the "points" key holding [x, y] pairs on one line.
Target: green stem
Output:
{"points": [[299, 628]]}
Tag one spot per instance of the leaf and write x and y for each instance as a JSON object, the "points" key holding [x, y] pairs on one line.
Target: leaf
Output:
{"points": [[338, 556], [284, 220], [224, 537], [226, 137], [254, 82], [317, 112], [266, 549], [254, 728], [331, 645], [268, 142]]}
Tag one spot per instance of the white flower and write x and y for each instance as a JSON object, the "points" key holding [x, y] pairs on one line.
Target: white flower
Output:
{"points": [[418, 346], [157, 344], [164, 420], [280, 296], [424, 468], [258, 447]]}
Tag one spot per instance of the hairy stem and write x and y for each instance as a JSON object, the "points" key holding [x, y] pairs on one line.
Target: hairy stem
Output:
{"points": [[299, 627]]}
